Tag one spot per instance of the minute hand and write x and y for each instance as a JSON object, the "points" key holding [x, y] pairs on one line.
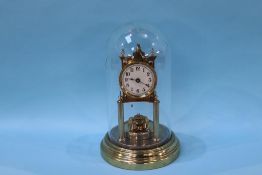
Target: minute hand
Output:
{"points": [[144, 84]]}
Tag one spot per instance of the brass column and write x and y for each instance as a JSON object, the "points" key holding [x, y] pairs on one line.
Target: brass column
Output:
{"points": [[120, 119], [156, 119]]}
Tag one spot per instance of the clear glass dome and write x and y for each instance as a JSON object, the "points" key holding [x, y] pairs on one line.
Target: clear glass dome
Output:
{"points": [[125, 41], [127, 38], [138, 67]]}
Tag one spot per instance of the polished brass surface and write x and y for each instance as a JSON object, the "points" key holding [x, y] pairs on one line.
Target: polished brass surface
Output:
{"points": [[140, 159], [138, 129], [156, 119], [138, 123], [146, 139], [127, 97], [138, 57], [120, 119]]}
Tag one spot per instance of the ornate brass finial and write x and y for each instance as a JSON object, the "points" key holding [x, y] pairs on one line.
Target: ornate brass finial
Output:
{"points": [[138, 56], [153, 53], [122, 53]]}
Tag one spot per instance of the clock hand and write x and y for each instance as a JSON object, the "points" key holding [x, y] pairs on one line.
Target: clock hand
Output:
{"points": [[144, 84], [139, 81]]}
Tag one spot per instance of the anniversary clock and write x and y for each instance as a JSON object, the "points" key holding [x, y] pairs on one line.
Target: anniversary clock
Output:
{"points": [[139, 81]]}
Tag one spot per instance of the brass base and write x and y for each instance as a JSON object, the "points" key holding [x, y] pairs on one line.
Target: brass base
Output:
{"points": [[140, 159]]}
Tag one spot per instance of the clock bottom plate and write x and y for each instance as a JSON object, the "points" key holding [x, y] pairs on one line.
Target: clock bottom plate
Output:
{"points": [[141, 159]]}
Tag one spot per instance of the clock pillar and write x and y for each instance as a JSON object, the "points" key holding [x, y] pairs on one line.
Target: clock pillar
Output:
{"points": [[121, 124], [156, 119], [121, 119]]}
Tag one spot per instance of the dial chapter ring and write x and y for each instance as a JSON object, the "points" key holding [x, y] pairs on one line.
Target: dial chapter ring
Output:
{"points": [[126, 91]]}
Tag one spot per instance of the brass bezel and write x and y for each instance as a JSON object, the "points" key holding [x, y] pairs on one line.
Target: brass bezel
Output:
{"points": [[150, 92]]}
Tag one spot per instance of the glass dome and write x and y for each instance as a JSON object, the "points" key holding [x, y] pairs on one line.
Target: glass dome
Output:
{"points": [[138, 67], [151, 40]]}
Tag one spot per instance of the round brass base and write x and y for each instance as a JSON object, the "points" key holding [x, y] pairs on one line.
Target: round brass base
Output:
{"points": [[141, 159]]}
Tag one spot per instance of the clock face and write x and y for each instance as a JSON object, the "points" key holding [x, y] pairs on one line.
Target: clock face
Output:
{"points": [[138, 80]]}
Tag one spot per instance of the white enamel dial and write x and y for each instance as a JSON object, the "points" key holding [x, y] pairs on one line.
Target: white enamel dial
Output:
{"points": [[138, 80]]}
